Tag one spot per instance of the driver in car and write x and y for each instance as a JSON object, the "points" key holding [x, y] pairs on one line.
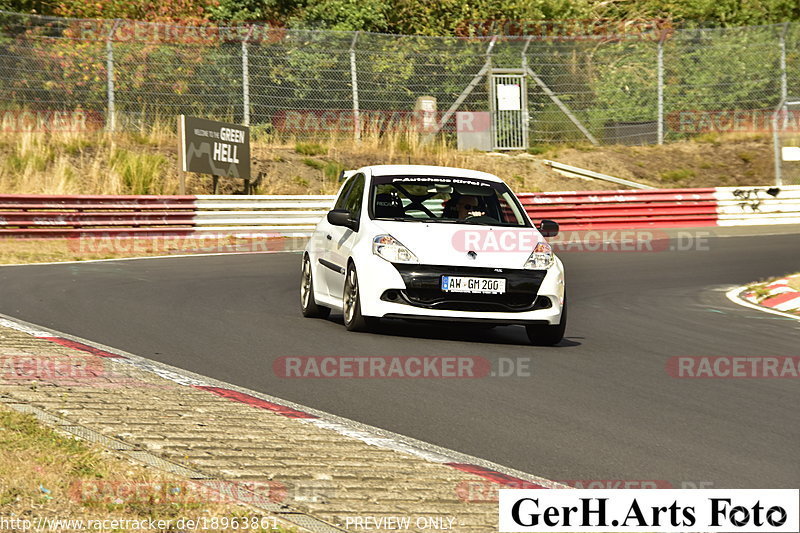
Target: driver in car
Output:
{"points": [[467, 206]]}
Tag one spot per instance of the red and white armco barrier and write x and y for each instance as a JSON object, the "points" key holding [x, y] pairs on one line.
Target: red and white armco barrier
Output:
{"points": [[664, 208], [72, 216], [624, 209]]}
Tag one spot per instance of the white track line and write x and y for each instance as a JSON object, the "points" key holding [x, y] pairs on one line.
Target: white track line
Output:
{"points": [[137, 258]]}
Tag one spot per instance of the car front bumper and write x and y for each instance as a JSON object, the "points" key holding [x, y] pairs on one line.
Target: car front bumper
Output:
{"points": [[414, 292]]}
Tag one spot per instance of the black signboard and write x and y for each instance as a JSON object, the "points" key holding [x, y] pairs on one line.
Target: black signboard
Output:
{"points": [[217, 148]]}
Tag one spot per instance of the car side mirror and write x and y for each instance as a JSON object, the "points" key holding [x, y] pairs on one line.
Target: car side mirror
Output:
{"points": [[548, 228], [342, 217]]}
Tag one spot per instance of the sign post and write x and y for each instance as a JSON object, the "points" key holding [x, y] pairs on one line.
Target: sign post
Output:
{"points": [[216, 148]]}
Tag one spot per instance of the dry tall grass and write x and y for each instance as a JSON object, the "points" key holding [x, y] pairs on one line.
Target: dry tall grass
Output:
{"points": [[85, 162], [145, 161]]}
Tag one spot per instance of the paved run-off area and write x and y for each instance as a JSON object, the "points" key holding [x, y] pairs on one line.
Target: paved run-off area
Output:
{"points": [[277, 457]]}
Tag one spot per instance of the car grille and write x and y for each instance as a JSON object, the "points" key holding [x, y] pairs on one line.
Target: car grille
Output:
{"points": [[423, 289]]}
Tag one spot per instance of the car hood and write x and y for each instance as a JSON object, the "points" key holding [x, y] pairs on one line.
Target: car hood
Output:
{"points": [[450, 244]]}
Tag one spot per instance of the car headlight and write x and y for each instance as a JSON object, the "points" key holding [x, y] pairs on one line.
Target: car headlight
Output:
{"points": [[392, 250], [542, 257]]}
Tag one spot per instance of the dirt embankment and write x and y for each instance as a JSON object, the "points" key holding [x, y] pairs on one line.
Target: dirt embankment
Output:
{"points": [[135, 163]]}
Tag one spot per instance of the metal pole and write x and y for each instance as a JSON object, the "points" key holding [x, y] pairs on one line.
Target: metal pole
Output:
{"points": [[784, 81], [246, 79], [775, 145], [245, 86], [354, 82], [523, 85], [660, 90], [111, 116], [182, 153]]}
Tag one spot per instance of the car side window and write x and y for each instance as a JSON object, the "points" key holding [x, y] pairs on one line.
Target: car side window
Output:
{"points": [[355, 196], [342, 199]]}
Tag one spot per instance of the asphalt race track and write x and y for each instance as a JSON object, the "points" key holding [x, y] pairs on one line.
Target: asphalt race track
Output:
{"points": [[599, 407]]}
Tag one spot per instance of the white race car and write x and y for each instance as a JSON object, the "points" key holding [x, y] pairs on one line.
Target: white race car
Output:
{"points": [[433, 243]]}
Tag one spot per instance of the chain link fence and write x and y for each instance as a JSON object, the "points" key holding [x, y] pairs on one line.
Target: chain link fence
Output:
{"points": [[652, 86]]}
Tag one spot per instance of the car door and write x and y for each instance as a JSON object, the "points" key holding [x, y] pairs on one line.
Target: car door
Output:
{"points": [[340, 240], [343, 239]]}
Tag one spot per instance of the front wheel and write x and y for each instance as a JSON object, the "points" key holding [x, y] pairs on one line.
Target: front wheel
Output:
{"points": [[351, 306], [307, 303], [548, 335]]}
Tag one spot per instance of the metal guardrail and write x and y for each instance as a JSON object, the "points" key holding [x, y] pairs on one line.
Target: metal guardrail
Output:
{"points": [[624, 209], [70, 216], [752, 206], [577, 172], [67, 216], [295, 216]]}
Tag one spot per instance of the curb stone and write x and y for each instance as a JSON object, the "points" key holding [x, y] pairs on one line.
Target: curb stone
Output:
{"points": [[780, 296], [333, 471]]}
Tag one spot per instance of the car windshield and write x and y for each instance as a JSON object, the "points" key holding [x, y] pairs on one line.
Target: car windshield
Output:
{"points": [[445, 199]]}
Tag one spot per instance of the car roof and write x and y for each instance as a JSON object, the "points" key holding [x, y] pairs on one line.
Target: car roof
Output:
{"points": [[429, 170]]}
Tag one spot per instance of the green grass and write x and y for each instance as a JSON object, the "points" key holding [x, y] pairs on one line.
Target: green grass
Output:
{"points": [[40, 470], [332, 170], [140, 172], [678, 175], [540, 149], [298, 180], [710, 137], [76, 146], [310, 149], [36, 159], [24, 432], [313, 163]]}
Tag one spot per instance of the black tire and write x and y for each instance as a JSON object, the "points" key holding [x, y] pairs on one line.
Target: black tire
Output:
{"points": [[547, 335], [308, 305], [351, 304]]}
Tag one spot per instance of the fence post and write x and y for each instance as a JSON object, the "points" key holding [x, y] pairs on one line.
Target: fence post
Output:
{"points": [[784, 81], [246, 80], [660, 89], [354, 82], [111, 110], [776, 148], [526, 118]]}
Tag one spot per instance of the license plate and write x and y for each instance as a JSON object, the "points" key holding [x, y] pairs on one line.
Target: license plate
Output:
{"points": [[473, 285]]}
